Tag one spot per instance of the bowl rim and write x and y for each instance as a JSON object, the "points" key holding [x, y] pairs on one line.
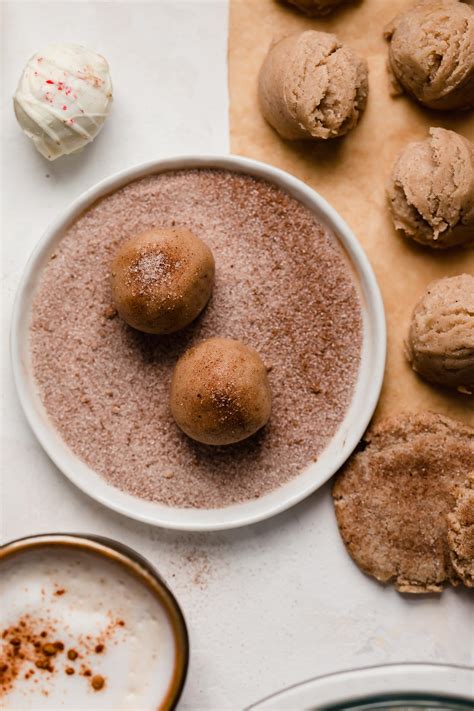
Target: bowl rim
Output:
{"points": [[139, 567], [248, 512], [391, 681]]}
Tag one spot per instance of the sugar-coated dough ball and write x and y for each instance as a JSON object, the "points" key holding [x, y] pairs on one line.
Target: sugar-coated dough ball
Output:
{"points": [[162, 279], [220, 392], [440, 344], [312, 86], [431, 191], [63, 98], [431, 53], [317, 7]]}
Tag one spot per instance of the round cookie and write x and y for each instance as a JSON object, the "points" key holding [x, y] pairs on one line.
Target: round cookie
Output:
{"points": [[312, 86], [461, 533], [440, 344], [431, 190], [162, 279], [431, 54], [317, 7], [393, 496], [220, 392]]}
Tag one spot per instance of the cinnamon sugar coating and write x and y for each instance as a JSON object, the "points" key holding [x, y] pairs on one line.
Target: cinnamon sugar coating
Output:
{"points": [[461, 532], [220, 392], [393, 496], [283, 286], [162, 279]]}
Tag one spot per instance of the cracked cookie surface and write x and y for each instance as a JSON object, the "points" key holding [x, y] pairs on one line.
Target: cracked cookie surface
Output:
{"points": [[393, 496], [461, 532]]}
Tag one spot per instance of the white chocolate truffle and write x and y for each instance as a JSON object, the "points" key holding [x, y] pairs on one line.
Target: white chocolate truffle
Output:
{"points": [[63, 98]]}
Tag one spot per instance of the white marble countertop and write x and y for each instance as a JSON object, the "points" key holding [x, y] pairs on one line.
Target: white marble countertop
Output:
{"points": [[266, 606]]}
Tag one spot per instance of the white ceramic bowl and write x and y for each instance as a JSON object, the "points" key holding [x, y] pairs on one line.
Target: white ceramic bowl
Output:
{"points": [[363, 404], [390, 686]]}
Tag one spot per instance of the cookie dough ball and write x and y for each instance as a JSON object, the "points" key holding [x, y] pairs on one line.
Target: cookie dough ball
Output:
{"points": [[461, 532], [431, 53], [312, 86], [431, 191], [162, 279], [393, 496], [440, 344], [63, 98], [317, 7], [220, 392]]}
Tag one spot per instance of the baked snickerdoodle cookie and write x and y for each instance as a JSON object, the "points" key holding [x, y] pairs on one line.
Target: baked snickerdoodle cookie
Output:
{"points": [[393, 496], [461, 532]]}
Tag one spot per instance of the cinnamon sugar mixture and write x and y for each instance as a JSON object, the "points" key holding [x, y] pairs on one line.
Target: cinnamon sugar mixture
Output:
{"points": [[283, 286]]}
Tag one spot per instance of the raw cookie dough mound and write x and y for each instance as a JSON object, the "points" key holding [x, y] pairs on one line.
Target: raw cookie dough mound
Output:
{"points": [[431, 53], [461, 532], [220, 392], [317, 7], [162, 279], [431, 191], [440, 345], [392, 499], [312, 86]]}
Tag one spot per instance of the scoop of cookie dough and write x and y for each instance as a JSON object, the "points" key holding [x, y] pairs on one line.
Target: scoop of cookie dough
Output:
{"points": [[393, 496], [317, 7], [440, 345], [431, 53], [431, 191], [312, 86], [162, 279], [220, 392], [461, 532]]}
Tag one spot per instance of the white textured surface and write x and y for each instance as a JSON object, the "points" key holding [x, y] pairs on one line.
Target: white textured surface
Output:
{"points": [[267, 606]]}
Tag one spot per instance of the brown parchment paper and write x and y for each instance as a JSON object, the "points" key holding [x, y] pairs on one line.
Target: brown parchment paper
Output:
{"points": [[351, 172]]}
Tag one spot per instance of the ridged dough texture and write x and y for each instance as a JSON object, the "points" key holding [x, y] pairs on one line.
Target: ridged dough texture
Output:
{"points": [[318, 7], [440, 344], [392, 499], [312, 86], [431, 54], [431, 190]]}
